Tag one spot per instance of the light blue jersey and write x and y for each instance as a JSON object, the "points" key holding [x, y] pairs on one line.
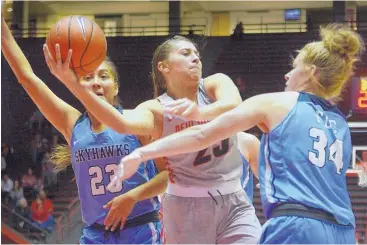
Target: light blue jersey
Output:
{"points": [[247, 179], [305, 158], [95, 157]]}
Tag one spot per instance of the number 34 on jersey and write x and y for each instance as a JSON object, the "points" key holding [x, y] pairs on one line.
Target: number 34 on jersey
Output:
{"points": [[320, 152]]}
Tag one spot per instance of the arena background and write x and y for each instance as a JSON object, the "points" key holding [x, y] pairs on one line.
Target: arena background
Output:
{"points": [[256, 56]]}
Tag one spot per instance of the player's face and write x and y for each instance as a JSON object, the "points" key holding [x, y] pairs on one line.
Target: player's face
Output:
{"points": [[296, 76], [184, 61], [101, 82]]}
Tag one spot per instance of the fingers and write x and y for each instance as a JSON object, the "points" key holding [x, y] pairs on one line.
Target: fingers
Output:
{"points": [[68, 58], [117, 222], [121, 170], [178, 109], [48, 57], [110, 219], [188, 110], [114, 219], [113, 183], [58, 54], [130, 164], [108, 205]]}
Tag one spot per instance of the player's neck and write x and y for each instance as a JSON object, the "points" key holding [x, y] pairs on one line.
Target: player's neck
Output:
{"points": [[311, 91], [179, 92], [96, 126]]}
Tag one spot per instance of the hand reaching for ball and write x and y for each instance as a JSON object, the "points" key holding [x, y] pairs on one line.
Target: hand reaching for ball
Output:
{"points": [[60, 69], [75, 46], [84, 37]]}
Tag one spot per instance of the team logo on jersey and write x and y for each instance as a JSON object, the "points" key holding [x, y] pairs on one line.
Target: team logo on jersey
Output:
{"points": [[102, 152], [170, 118]]}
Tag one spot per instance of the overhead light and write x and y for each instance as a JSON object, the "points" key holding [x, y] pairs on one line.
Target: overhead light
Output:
{"points": [[9, 9]]}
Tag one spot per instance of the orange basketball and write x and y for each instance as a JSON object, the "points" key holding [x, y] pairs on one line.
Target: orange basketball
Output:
{"points": [[84, 37]]}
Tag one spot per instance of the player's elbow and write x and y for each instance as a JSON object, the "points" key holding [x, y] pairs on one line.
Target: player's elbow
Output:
{"points": [[124, 129], [143, 130]]}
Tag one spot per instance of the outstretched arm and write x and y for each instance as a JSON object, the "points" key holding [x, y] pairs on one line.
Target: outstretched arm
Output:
{"points": [[60, 114], [139, 121], [250, 113], [247, 115]]}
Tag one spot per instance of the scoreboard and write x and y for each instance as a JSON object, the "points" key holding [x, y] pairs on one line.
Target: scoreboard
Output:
{"points": [[359, 95]]}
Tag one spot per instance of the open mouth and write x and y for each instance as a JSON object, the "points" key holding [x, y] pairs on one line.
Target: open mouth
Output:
{"points": [[99, 93]]}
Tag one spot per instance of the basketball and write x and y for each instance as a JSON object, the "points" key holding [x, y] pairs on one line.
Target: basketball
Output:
{"points": [[84, 37]]}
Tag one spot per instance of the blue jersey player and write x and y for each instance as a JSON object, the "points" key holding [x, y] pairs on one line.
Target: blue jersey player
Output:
{"points": [[94, 160], [96, 151], [305, 150]]}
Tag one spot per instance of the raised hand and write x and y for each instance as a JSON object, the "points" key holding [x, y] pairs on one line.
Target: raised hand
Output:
{"points": [[60, 69]]}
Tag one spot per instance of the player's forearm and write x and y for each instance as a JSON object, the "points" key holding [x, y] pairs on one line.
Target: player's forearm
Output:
{"points": [[198, 137], [211, 111], [152, 188], [100, 108], [13, 54], [189, 140]]}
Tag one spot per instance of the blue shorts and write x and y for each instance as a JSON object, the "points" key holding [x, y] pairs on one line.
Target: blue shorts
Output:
{"points": [[300, 230], [144, 234]]}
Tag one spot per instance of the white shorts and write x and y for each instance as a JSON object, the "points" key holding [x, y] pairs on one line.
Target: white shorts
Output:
{"points": [[215, 219]]}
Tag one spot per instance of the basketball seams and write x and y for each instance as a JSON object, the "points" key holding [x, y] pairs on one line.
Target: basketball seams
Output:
{"points": [[84, 60], [86, 48], [91, 61], [69, 41]]}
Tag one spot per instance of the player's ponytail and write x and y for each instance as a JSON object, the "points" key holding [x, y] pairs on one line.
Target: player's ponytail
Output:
{"points": [[61, 157], [334, 56]]}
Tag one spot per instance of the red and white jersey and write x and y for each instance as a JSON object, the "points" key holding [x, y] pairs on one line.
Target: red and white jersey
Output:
{"points": [[214, 165]]}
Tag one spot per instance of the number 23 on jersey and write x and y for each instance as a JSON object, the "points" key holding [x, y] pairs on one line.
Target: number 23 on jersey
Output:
{"points": [[96, 182]]}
